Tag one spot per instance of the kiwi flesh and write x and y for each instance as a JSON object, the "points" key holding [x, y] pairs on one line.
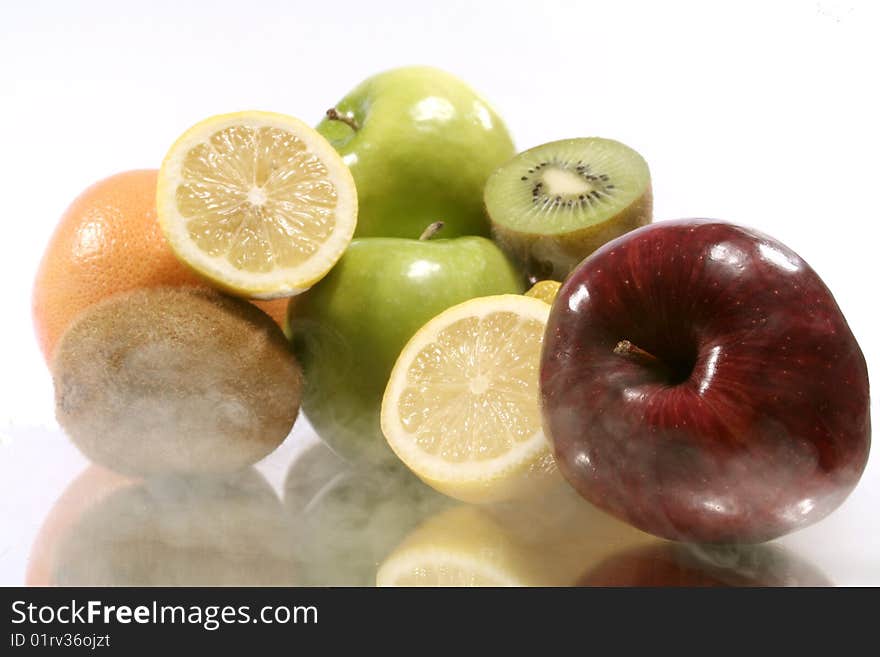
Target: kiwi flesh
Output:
{"points": [[553, 205], [175, 380]]}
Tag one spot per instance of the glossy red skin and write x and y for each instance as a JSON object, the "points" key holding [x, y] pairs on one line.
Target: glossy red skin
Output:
{"points": [[770, 431]]}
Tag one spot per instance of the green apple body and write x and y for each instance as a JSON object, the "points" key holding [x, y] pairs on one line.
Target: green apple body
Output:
{"points": [[423, 149], [348, 330]]}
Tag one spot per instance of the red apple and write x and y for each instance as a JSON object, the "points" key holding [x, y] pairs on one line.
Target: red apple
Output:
{"points": [[700, 382]]}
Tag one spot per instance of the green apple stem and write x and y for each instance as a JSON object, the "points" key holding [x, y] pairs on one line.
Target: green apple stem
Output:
{"points": [[348, 118], [431, 230], [627, 349]]}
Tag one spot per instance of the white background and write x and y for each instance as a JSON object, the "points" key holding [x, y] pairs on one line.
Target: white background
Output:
{"points": [[761, 113]]}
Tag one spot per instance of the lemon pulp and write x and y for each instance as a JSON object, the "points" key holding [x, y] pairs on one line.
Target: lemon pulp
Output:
{"points": [[461, 407], [259, 203]]}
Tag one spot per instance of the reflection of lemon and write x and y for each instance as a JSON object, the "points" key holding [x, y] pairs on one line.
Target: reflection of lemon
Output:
{"points": [[460, 547], [544, 290], [461, 407], [564, 534], [548, 543], [259, 203]]}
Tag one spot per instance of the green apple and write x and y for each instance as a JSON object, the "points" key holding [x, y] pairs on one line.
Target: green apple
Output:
{"points": [[348, 330], [420, 144]]}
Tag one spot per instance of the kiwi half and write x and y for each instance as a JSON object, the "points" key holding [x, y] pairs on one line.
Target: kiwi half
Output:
{"points": [[169, 380], [553, 205]]}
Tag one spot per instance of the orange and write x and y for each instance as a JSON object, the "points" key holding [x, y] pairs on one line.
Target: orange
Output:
{"points": [[108, 241]]}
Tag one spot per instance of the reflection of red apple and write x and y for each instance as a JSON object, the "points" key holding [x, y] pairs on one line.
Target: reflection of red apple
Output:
{"points": [[669, 564], [700, 382]]}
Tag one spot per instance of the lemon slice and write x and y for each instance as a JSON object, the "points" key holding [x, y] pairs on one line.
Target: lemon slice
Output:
{"points": [[545, 291], [461, 407], [258, 203]]}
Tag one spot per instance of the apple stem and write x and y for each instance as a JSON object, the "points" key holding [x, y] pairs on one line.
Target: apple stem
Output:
{"points": [[431, 230], [629, 350], [348, 118]]}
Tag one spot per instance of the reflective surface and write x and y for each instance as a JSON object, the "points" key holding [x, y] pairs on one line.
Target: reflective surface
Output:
{"points": [[304, 517], [109, 531], [823, 211]]}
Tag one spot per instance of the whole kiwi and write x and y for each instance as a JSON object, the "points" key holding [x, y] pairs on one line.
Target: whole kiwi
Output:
{"points": [[175, 380]]}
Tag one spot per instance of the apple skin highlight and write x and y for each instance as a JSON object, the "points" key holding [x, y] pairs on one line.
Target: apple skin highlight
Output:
{"points": [[753, 421]]}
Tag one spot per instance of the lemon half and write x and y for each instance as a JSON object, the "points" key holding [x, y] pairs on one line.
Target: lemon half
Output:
{"points": [[461, 408], [259, 203]]}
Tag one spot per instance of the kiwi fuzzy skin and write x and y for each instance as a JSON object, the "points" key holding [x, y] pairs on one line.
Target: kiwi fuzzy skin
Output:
{"points": [[554, 256], [175, 380]]}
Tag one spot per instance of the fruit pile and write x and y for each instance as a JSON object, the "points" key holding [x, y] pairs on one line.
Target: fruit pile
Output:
{"points": [[694, 378]]}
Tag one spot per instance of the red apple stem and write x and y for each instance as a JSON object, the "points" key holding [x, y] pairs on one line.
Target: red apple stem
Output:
{"points": [[627, 349], [431, 230], [348, 118]]}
